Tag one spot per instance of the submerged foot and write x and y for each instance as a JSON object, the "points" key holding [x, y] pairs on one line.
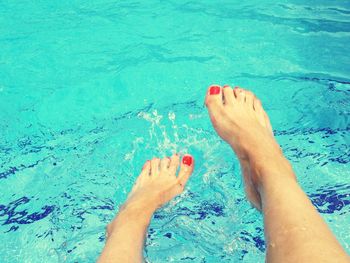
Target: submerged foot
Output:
{"points": [[158, 183], [239, 118]]}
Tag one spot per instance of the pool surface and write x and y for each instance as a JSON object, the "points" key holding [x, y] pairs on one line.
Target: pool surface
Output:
{"points": [[89, 90]]}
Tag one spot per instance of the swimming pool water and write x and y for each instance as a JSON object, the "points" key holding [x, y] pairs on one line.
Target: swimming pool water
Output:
{"points": [[89, 90]]}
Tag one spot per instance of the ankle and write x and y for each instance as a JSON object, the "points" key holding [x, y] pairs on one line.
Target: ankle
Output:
{"points": [[269, 171], [140, 205], [131, 214]]}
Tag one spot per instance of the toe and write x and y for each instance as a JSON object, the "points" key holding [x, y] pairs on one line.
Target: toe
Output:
{"points": [[228, 95], [174, 164], [186, 169], [145, 172], [155, 166], [259, 111], [214, 102], [268, 122], [257, 105], [249, 98], [214, 97], [164, 164], [239, 94], [262, 116], [146, 169]]}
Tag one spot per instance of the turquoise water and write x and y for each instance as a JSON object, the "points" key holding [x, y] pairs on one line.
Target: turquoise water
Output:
{"points": [[89, 90]]}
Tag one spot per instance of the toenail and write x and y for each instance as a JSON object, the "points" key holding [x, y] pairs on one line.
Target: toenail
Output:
{"points": [[187, 160], [214, 90], [226, 86]]}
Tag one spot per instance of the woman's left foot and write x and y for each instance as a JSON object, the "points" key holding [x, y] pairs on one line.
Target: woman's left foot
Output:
{"points": [[158, 183]]}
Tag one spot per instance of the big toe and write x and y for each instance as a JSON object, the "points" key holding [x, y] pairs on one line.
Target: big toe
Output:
{"points": [[214, 102], [186, 169], [213, 99]]}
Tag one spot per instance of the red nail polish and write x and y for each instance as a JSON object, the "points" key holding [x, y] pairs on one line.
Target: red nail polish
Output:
{"points": [[187, 160], [214, 90], [226, 86]]}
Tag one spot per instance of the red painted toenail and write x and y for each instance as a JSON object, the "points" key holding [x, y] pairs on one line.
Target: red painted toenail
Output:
{"points": [[236, 87], [226, 86], [187, 160], [214, 90]]}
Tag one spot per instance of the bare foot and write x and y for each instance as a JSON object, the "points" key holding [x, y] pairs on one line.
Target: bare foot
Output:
{"points": [[239, 119], [158, 184]]}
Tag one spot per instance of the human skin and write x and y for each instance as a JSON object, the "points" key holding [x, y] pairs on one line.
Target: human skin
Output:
{"points": [[294, 230], [156, 185]]}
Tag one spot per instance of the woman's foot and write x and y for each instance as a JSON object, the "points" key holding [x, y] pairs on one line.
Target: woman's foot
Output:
{"points": [[158, 184], [239, 119]]}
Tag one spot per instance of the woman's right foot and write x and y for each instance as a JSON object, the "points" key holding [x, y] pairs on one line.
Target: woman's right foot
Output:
{"points": [[239, 118]]}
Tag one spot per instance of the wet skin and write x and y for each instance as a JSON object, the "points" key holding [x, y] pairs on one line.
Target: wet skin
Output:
{"points": [[294, 230]]}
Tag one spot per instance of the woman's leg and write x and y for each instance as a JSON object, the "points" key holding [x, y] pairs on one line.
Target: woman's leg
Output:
{"points": [[294, 230], [156, 185]]}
